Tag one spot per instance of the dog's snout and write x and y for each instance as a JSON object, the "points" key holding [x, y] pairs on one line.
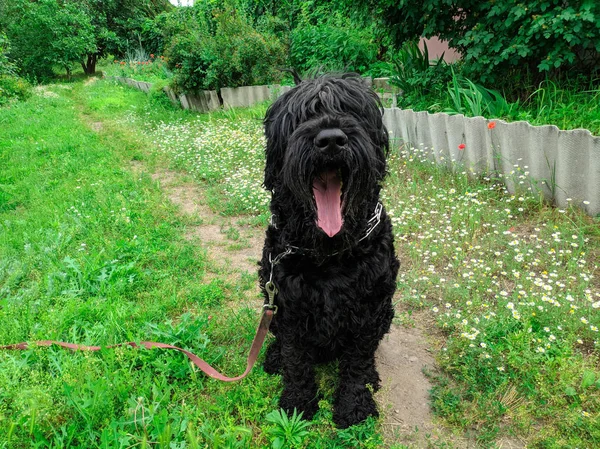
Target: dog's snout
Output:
{"points": [[331, 140]]}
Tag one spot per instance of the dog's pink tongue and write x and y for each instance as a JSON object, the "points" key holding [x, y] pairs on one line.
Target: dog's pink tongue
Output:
{"points": [[327, 189]]}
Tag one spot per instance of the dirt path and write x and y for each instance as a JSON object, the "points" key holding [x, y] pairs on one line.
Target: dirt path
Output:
{"points": [[234, 249]]}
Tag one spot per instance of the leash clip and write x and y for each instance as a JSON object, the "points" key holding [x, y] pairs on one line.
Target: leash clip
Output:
{"points": [[271, 292], [270, 285]]}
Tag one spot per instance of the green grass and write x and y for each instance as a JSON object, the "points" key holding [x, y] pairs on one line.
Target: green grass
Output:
{"points": [[94, 254], [512, 286], [153, 69], [91, 253]]}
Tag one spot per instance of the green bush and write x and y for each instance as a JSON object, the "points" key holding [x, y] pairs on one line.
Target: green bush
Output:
{"points": [[333, 45], [7, 67], [13, 88], [226, 51], [416, 76]]}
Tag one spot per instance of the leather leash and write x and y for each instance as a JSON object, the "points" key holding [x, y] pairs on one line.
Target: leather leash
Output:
{"points": [[259, 338]]}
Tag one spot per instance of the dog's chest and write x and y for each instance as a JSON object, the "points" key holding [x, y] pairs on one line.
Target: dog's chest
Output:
{"points": [[326, 304]]}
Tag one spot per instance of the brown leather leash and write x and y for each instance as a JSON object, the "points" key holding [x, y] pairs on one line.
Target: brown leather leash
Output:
{"points": [[269, 311], [259, 338]]}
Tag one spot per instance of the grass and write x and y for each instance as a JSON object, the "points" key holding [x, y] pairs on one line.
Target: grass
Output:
{"points": [[150, 68], [512, 285], [94, 254]]}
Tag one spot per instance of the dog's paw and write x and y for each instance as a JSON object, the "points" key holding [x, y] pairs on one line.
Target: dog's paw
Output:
{"points": [[302, 401], [352, 406]]}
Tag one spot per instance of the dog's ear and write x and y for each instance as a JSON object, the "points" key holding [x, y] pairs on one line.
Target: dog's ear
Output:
{"points": [[279, 127]]}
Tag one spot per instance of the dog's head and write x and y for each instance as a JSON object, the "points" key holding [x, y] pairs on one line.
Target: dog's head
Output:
{"points": [[327, 145]]}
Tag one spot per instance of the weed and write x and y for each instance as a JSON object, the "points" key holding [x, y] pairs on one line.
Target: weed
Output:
{"points": [[287, 432]]}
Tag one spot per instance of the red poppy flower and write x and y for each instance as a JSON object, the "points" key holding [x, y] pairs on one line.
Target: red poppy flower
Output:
{"points": [[462, 146], [491, 125]]}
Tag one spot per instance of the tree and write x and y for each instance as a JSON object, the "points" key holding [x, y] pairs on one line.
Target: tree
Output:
{"points": [[48, 33], [497, 37], [116, 23]]}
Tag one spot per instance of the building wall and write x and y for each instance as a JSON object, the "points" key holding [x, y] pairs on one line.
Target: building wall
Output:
{"points": [[436, 47]]}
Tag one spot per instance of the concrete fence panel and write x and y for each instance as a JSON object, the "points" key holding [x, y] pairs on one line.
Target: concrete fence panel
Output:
{"points": [[563, 165], [172, 95], [203, 101], [235, 97], [141, 85]]}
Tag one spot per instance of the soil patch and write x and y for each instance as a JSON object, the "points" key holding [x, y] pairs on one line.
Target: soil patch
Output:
{"points": [[233, 248]]}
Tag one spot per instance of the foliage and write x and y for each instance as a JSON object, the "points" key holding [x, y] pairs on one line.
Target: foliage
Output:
{"points": [[151, 69], [540, 36], [117, 25], [49, 33], [7, 67], [260, 37], [475, 100], [13, 88], [196, 54], [287, 432], [332, 43], [415, 75]]}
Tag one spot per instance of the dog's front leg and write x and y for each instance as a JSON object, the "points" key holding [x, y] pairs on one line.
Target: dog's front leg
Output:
{"points": [[354, 401], [299, 387]]}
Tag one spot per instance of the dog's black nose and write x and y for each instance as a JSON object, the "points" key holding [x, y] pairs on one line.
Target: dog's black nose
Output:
{"points": [[331, 140]]}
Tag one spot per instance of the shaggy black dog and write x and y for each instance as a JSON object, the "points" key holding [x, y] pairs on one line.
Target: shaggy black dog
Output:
{"points": [[328, 262]]}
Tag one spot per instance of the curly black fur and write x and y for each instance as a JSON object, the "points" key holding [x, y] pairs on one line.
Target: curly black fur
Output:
{"points": [[334, 298]]}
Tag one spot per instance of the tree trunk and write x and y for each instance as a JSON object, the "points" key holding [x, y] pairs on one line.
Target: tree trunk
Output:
{"points": [[89, 67]]}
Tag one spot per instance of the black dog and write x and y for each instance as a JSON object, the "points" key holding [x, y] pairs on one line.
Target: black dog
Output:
{"points": [[328, 264]]}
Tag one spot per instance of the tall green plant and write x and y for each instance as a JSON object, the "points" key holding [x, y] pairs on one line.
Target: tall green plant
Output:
{"points": [[415, 74], [474, 100], [288, 433]]}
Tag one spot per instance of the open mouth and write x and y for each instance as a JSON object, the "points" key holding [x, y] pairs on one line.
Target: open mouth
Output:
{"points": [[327, 190]]}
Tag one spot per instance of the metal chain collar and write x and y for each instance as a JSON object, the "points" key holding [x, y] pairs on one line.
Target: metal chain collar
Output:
{"points": [[270, 285]]}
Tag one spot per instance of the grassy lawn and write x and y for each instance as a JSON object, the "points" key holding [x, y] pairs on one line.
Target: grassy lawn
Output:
{"points": [[92, 253]]}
